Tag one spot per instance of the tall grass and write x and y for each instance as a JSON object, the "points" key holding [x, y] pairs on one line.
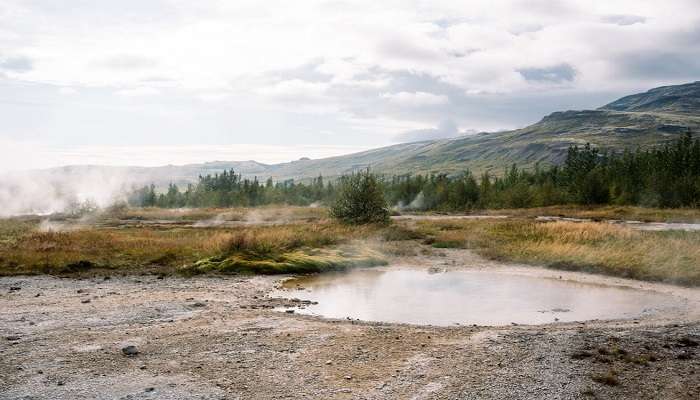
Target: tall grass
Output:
{"points": [[25, 250], [589, 246]]}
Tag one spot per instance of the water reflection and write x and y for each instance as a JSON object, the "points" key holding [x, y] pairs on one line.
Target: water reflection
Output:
{"points": [[467, 297]]}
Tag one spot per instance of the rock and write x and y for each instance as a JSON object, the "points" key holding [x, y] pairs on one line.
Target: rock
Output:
{"points": [[329, 362], [13, 338], [199, 304], [149, 389], [685, 355], [15, 288], [289, 311], [85, 301], [348, 377], [130, 351]]}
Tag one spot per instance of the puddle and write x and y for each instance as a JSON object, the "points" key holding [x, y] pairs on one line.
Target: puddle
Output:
{"points": [[424, 297]]}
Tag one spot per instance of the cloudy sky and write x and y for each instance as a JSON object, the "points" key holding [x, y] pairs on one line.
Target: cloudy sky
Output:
{"points": [[150, 82]]}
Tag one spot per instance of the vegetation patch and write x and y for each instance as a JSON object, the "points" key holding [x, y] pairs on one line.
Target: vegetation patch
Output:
{"points": [[671, 256], [395, 233], [24, 249], [302, 261]]}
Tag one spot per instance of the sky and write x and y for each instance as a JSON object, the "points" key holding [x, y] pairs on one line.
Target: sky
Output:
{"points": [[154, 82]]}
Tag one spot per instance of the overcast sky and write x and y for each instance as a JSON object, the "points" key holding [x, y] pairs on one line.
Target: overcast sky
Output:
{"points": [[142, 82]]}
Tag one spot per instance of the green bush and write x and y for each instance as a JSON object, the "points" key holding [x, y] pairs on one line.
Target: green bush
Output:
{"points": [[360, 200]]}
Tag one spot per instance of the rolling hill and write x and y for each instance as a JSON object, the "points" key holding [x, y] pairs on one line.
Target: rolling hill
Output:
{"points": [[644, 119]]}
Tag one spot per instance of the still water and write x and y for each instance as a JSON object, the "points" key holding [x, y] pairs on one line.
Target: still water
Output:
{"points": [[417, 296]]}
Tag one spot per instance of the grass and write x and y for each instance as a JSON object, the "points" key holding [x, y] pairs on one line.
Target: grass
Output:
{"points": [[589, 246], [24, 249], [289, 249], [308, 242], [607, 213]]}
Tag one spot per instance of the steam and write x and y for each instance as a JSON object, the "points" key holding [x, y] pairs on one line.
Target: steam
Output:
{"points": [[61, 190], [418, 203], [218, 220]]}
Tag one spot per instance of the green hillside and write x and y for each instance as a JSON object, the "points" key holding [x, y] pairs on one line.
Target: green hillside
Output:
{"points": [[645, 119]]}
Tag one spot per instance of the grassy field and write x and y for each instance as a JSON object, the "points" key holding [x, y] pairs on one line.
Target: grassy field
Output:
{"points": [[300, 240], [672, 256], [608, 213], [298, 246]]}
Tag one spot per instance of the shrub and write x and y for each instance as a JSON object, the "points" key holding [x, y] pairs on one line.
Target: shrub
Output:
{"points": [[360, 200]]}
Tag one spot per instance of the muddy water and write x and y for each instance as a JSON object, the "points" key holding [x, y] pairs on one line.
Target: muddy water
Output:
{"points": [[417, 296]]}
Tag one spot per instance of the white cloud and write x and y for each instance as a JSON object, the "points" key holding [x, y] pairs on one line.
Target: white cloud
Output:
{"points": [[67, 91], [295, 90], [138, 92], [365, 69], [415, 99]]}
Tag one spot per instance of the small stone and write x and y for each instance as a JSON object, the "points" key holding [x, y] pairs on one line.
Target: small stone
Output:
{"points": [[329, 362], [348, 377], [198, 304], [60, 383], [149, 389], [12, 338], [85, 301], [130, 351], [15, 288], [289, 311]]}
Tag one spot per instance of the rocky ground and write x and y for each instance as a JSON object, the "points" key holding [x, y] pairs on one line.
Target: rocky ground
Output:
{"points": [[220, 338]]}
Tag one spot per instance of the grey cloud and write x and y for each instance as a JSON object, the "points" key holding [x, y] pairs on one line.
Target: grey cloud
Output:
{"points": [[404, 49], [16, 64], [659, 65], [555, 74], [624, 20]]}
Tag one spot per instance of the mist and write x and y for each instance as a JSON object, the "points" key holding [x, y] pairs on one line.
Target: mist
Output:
{"points": [[55, 191]]}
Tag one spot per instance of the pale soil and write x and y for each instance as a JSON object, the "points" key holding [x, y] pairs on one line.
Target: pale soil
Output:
{"points": [[219, 338]]}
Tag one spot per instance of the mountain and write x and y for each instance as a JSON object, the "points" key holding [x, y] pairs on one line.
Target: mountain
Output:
{"points": [[644, 119], [679, 99]]}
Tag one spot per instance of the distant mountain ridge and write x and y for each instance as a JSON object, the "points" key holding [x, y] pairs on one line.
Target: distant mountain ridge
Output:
{"points": [[645, 119], [679, 99]]}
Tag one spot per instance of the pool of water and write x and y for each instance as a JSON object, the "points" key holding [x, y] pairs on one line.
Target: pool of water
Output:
{"points": [[418, 296]]}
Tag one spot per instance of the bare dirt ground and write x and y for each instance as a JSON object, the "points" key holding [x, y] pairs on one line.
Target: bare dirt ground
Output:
{"points": [[219, 338]]}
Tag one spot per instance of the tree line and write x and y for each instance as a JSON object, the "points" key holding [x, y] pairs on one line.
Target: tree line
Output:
{"points": [[663, 176]]}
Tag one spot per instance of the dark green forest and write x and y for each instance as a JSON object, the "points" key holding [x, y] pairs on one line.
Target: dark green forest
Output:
{"points": [[664, 176]]}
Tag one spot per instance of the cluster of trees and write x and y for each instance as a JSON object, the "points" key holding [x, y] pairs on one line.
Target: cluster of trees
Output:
{"points": [[666, 176], [229, 189]]}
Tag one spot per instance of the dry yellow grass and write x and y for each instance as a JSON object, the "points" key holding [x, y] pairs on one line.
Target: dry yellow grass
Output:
{"points": [[608, 212], [25, 250], [591, 246], [597, 247], [257, 214]]}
